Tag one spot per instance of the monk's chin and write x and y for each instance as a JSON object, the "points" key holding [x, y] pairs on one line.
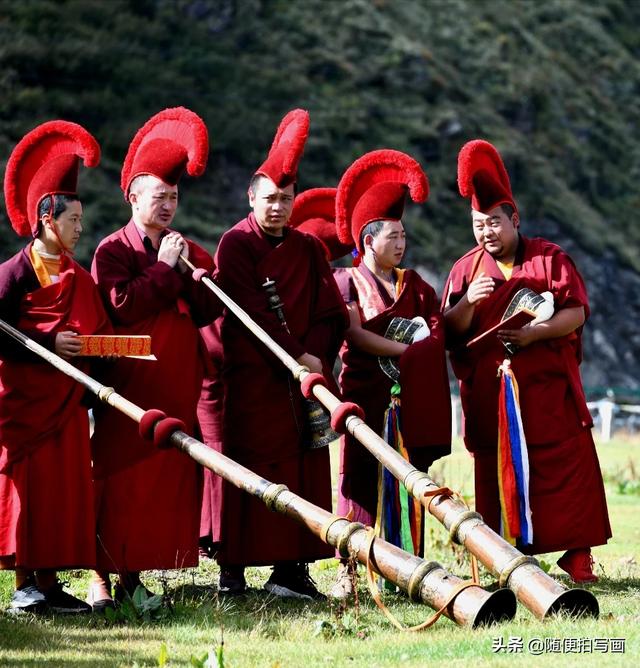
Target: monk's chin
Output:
{"points": [[494, 252]]}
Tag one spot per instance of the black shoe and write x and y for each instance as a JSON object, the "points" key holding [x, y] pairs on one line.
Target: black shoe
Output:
{"points": [[59, 601], [27, 599], [232, 581], [293, 581]]}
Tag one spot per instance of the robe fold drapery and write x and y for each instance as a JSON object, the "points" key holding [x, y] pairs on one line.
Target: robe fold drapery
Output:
{"points": [[148, 500], [426, 403], [210, 408], [566, 490], [47, 517], [264, 420]]}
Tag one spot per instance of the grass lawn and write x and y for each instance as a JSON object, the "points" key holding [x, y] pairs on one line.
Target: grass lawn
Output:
{"points": [[259, 630]]}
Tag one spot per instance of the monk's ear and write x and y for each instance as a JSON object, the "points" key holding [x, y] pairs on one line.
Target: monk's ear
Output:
{"points": [[252, 197], [515, 219], [133, 197]]}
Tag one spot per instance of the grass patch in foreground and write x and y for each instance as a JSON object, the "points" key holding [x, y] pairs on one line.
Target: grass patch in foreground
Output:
{"points": [[259, 630]]}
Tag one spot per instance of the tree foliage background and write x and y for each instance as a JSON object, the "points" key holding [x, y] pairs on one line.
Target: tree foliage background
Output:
{"points": [[555, 84]]}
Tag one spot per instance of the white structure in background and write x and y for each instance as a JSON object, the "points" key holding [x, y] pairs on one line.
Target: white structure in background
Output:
{"points": [[605, 411]]}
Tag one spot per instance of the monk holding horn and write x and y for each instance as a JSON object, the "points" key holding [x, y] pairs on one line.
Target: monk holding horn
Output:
{"points": [[47, 521], [264, 424], [149, 499], [393, 360]]}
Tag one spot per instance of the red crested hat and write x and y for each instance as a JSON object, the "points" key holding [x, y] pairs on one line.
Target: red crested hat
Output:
{"points": [[375, 188], [168, 143], [482, 176], [281, 165], [314, 212], [45, 162]]}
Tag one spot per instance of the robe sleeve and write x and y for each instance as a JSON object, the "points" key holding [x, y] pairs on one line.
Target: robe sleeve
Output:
{"points": [[16, 280], [455, 287], [235, 273], [567, 284], [345, 285], [131, 297]]}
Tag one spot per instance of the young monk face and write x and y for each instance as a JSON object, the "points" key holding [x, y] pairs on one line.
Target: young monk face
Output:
{"points": [[68, 225], [388, 246], [271, 205], [496, 232]]}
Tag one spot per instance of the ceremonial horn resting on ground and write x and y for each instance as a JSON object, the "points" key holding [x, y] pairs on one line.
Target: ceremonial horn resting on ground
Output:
{"points": [[466, 603], [536, 590]]}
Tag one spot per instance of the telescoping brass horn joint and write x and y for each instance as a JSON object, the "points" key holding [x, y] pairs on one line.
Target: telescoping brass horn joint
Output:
{"points": [[342, 544], [507, 571], [271, 494], [417, 578], [412, 479], [104, 393], [457, 523]]}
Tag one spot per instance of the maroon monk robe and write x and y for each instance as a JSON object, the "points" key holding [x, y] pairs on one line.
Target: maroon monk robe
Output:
{"points": [[210, 408], [46, 491], [566, 491], [149, 500], [264, 421], [426, 403]]}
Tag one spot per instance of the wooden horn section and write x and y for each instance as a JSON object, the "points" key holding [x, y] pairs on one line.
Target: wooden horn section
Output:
{"points": [[427, 582]]}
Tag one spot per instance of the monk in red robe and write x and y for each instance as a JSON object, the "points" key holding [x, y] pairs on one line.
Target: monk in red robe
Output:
{"points": [[47, 520], [566, 494], [369, 208], [148, 501], [264, 420]]}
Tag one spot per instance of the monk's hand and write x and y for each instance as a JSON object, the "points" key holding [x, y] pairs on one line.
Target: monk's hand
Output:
{"points": [[182, 266], [520, 337], [480, 288], [67, 344], [313, 363], [171, 247]]}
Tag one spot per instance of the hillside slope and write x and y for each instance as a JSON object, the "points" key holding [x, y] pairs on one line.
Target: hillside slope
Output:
{"points": [[555, 85]]}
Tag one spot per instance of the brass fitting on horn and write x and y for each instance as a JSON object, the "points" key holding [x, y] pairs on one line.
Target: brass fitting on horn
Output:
{"points": [[506, 572], [105, 392], [413, 478], [462, 517], [417, 577], [343, 539], [271, 494]]}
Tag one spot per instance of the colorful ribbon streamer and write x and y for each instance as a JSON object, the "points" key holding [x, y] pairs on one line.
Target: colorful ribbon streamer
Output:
{"points": [[513, 462], [399, 516]]}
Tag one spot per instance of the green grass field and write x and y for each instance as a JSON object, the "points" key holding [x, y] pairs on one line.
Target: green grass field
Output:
{"points": [[259, 630]]}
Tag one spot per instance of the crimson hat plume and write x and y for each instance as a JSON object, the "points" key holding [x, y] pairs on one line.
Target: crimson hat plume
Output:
{"points": [[281, 165], [314, 213], [170, 142], [45, 162], [483, 177], [373, 188]]}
